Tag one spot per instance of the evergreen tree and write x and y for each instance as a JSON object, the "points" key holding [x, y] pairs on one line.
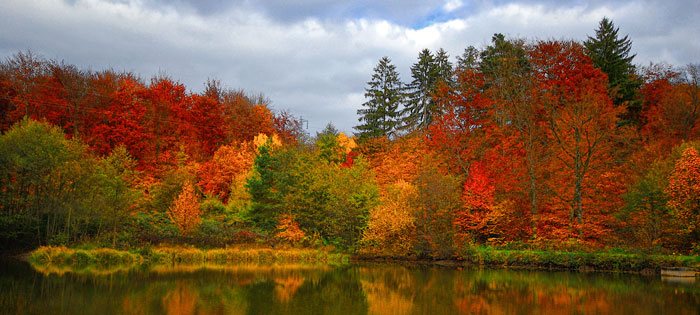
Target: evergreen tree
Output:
{"points": [[468, 60], [503, 59], [443, 67], [384, 94], [419, 103], [611, 54]]}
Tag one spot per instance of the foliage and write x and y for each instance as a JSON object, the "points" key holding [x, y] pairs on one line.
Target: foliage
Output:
{"points": [[438, 200], [391, 228], [547, 144], [185, 212], [384, 94], [684, 193], [611, 54], [420, 107], [288, 230]]}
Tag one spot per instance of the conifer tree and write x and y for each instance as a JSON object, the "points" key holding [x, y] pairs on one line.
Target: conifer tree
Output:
{"points": [[419, 104], [611, 54], [468, 60], [384, 93], [443, 66]]}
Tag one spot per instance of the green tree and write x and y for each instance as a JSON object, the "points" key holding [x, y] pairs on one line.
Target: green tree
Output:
{"points": [[52, 190], [384, 94], [263, 187], [611, 54], [327, 199], [115, 175], [419, 108], [327, 143], [503, 61], [469, 59], [332, 201], [444, 70]]}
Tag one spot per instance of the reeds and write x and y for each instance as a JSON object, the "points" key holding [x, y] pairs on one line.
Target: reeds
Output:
{"points": [[60, 260]]}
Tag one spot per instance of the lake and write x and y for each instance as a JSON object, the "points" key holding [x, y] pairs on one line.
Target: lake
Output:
{"points": [[355, 289]]}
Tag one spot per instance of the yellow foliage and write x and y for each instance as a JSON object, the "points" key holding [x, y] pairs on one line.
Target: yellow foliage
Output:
{"points": [[239, 198], [289, 230], [347, 144], [262, 139], [185, 212], [391, 226]]}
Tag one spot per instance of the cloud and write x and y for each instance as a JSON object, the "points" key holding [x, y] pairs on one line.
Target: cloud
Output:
{"points": [[451, 5], [311, 58]]}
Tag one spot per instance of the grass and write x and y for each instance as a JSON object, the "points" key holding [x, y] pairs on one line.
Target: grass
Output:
{"points": [[602, 261], [263, 256], [104, 260], [60, 260]]}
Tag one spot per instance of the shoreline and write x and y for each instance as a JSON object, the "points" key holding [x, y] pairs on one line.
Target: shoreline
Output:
{"points": [[603, 262]]}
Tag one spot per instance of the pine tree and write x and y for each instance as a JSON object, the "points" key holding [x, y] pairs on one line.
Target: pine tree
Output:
{"points": [[384, 94], [503, 58], [611, 54], [419, 104], [468, 60], [443, 67]]}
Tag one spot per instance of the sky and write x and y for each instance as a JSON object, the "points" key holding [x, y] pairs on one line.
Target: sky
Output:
{"points": [[313, 57]]}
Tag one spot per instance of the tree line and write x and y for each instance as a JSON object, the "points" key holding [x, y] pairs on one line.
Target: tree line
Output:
{"points": [[550, 142], [544, 144]]}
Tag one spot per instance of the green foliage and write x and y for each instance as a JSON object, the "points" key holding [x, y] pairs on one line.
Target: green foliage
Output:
{"points": [[611, 54], [52, 187], [604, 261], [153, 228], [164, 193], [327, 144], [427, 72], [646, 207], [334, 201], [324, 197], [384, 94], [264, 187]]}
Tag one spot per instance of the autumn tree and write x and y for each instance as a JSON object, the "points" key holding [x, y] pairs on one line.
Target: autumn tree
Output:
{"points": [[391, 226], [384, 94], [463, 130], [228, 163], [684, 194], [518, 113], [185, 212], [438, 199], [288, 230], [581, 117]]}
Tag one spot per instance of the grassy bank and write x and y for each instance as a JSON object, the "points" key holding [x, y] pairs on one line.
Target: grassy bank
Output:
{"points": [[563, 260], [60, 260], [601, 261]]}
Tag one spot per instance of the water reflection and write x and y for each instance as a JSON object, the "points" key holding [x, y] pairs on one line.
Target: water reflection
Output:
{"points": [[365, 289]]}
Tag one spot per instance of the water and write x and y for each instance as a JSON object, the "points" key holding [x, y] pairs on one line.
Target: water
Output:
{"points": [[358, 289]]}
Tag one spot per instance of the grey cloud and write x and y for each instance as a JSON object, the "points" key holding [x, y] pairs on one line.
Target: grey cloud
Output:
{"points": [[314, 58]]}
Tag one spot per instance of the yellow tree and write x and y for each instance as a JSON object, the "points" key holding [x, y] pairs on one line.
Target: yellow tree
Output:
{"points": [[391, 226], [185, 212], [684, 192]]}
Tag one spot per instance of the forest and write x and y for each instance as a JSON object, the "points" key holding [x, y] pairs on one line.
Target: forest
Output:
{"points": [[544, 144]]}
